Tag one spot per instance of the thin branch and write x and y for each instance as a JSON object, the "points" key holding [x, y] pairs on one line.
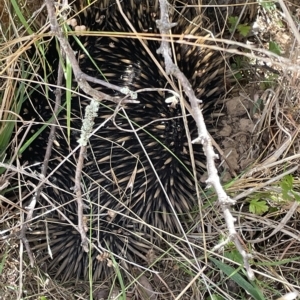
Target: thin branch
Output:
{"points": [[80, 77], [225, 201], [91, 110], [30, 208]]}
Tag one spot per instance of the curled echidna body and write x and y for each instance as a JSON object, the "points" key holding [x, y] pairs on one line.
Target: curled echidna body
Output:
{"points": [[138, 164]]}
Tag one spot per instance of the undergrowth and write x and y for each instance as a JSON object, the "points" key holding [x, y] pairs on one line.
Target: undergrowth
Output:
{"points": [[267, 191]]}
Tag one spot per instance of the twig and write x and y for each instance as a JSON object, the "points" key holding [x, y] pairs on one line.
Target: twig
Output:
{"points": [[225, 201], [53, 128], [87, 127], [80, 77], [30, 208], [91, 110]]}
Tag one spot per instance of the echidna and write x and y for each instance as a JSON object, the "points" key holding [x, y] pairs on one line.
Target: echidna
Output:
{"points": [[124, 202]]}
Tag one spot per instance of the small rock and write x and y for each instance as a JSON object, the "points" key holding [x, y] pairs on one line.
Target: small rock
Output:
{"points": [[225, 131], [232, 158], [246, 125], [237, 106]]}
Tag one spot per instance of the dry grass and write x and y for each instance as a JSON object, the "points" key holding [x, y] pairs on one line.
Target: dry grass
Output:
{"points": [[273, 238]]}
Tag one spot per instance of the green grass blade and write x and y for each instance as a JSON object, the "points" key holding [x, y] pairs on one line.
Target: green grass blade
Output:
{"points": [[20, 16], [238, 279]]}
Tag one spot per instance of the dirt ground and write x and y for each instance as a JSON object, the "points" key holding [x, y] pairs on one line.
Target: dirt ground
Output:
{"points": [[258, 125]]}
